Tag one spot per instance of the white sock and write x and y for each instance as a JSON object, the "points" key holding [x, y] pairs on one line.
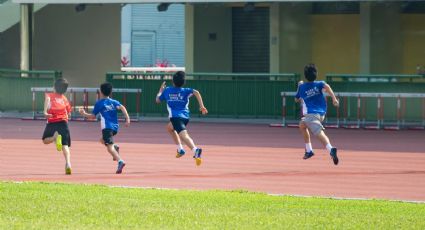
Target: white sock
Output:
{"points": [[329, 147], [308, 147], [194, 149], [179, 147]]}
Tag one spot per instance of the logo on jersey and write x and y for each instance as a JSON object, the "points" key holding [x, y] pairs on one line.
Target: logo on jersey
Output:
{"points": [[312, 92], [60, 101], [176, 97], [109, 108]]}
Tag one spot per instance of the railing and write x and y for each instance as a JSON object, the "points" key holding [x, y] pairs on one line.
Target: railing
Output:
{"points": [[225, 95], [15, 87], [357, 110], [375, 78]]}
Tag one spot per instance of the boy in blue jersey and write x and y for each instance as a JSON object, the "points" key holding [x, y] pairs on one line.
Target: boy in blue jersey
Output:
{"points": [[313, 101], [177, 99], [107, 109]]}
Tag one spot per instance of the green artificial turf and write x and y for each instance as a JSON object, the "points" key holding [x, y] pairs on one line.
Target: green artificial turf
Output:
{"points": [[66, 206]]}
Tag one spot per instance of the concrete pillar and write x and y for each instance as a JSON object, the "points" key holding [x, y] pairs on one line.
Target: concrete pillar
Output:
{"points": [[26, 36], [189, 22], [386, 44], [295, 36], [274, 38], [365, 37]]}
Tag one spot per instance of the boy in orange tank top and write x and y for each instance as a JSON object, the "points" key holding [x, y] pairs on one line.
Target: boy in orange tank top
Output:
{"points": [[57, 111]]}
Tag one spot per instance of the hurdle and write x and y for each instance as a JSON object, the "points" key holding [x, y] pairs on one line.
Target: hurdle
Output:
{"points": [[361, 111], [72, 97]]}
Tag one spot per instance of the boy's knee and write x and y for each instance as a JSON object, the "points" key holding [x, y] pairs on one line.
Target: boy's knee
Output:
{"points": [[302, 126], [170, 129]]}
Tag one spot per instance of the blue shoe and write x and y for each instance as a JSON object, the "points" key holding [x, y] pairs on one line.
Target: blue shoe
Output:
{"points": [[180, 153], [121, 165], [334, 156], [308, 155], [197, 157]]}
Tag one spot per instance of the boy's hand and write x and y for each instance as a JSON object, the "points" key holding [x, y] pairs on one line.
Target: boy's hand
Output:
{"points": [[163, 85], [203, 110], [48, 115], [81, 110], [127, 122], [335, 102]]}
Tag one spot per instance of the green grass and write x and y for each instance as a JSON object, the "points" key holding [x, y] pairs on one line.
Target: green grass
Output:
{"points": [[64, 206]]}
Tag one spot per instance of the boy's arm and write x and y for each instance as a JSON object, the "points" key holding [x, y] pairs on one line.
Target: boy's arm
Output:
{"points": [[124, 111], [158, 95], [200, 101], [331, 93], [86, 115], [46, 104], [297, 98]]}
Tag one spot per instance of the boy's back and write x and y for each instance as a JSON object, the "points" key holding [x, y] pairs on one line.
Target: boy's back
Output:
{"points": [[107, 108], [314, 101], [177, 101], [58, 106]]}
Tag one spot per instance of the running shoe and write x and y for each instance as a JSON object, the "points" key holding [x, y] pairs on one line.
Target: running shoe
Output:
{"points": [[121, 165], [180, 153], [197, 156], [334, 156], [308, 155]]}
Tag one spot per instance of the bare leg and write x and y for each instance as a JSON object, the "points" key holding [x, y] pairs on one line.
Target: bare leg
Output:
{"points": [[323, 138], [67, 155], [173, 134], [51, 139], [113, 152], [325, 141], [184, 136], [304, 131]]}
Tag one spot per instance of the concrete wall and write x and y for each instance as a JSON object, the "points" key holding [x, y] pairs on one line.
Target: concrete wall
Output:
{"points": [[295, 36], [10, 48], [84, 45], [213, 55], [386, 38], [336, 43], [413, 28]]}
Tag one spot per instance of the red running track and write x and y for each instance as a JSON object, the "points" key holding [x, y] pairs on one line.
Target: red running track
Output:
{"points": [[373, 164]]}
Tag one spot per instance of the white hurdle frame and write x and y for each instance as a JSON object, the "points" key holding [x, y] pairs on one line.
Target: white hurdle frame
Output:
{"points": [[85, 91], [380, 110]]}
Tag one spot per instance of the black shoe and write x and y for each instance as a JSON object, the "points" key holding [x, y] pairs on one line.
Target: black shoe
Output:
{"points": [[308, 155], [121, 165], [334, 156]]}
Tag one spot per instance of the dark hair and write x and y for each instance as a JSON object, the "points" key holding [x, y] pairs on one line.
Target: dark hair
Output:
{"points": [[106, 89], [61, 85], [310, 72], [179, 78]]}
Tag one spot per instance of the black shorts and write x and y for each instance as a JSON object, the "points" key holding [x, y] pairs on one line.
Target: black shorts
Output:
{"points": [[61, 128], [179, 124], [107, 136]]}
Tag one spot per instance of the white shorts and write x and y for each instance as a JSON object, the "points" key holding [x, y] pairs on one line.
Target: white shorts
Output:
{"points": [[313, 122]]}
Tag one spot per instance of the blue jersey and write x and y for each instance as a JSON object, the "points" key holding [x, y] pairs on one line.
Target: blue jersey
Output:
{"points": [[107, 108], [313, 99], [177, 101]]}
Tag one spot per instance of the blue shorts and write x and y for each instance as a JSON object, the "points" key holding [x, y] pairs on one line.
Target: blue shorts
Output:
{"points": [[179, 124]]}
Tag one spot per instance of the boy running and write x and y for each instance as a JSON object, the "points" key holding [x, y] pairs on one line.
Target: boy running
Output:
{"points": [[107, 108], [310, 94], [177, 99], [57, 111]]}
